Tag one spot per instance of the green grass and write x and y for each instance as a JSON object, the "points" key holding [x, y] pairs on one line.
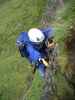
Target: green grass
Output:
{"points": [[35, 91], [15, 16]]}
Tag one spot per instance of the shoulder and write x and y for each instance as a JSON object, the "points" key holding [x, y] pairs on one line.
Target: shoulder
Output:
{"points": [[48, 32], [23, 37]]}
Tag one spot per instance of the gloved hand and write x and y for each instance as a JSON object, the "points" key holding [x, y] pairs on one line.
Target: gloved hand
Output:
{"points": [[44, 61]]}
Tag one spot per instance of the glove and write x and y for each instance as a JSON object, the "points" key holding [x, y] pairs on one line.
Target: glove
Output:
{"points": [[44, 61]]}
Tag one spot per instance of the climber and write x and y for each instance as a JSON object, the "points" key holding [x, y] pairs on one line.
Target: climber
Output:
{"points": [[34, 44]]}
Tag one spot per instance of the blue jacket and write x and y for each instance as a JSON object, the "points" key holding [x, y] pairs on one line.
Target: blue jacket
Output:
{"points": [[30, 49]]}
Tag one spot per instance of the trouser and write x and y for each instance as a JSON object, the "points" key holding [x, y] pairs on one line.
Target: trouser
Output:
{"points": [[41, 69]]}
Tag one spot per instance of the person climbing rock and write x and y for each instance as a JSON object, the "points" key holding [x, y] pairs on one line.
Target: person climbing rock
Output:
{"points": [[34, 45]]}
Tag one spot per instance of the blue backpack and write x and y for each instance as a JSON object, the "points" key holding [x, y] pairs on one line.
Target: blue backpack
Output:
{"points": [[21, 43]]}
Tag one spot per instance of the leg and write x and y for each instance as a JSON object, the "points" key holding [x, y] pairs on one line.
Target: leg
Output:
{"points": [[42, 70]]}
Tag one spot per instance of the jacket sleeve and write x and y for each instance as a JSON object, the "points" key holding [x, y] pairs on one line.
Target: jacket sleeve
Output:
{"points": [[34, 55], [21, 43]]}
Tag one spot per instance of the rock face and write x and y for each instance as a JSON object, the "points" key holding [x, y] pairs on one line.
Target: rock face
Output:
{"points": [[70, 47]]}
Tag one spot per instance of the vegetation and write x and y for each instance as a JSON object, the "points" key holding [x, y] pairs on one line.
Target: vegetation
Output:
{"points": [[15, 72], [15, 16]]}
